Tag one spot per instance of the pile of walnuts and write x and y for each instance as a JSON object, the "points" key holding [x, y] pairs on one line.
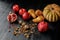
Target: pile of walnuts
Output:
{"points": [[26, 29]]}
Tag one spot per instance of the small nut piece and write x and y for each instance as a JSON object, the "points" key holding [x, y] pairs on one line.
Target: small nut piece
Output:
{"points": [[15, 33], [26, 35], [35, 23], [26, 27], [16, 29], [20, 22], [31, 32], [30, 24], [23, 23], [26, 31]]}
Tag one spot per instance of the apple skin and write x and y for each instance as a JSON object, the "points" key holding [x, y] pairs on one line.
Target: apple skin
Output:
{"points": [[22, 11], [26, 16], [16, 8], [42, 26]]}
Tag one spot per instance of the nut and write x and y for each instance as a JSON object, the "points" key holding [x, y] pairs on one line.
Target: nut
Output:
{"points": [[23, 23], [15, 33], [31, 32], [26, 27], [20, 22], [27, 36], [30, 24], [19, 32], [32, 28], [21, 26], [27, 31], [35, 23], [17, 27]]}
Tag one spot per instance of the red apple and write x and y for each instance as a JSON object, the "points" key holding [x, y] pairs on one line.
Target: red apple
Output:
{"points": [[22, 11], [26, 16], [15, 8], [12, 17], [42, 26]]}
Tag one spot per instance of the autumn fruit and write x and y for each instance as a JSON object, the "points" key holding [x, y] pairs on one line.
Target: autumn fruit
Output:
{"points": [[52, 12], [38, 19], [42, 26], [12, 17], [22, 11], [38, 12], [32, 13], [15, 8], [26, 16]]}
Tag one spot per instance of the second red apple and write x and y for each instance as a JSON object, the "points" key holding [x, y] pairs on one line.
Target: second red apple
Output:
{"points": [[22, 11], [26, 16]]}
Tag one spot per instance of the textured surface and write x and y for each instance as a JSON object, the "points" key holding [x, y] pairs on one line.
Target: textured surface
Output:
{"points": [[5, 35]]}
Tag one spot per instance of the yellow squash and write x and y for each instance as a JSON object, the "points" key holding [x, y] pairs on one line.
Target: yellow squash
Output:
{"points": [[51, 12], [38, 19]]}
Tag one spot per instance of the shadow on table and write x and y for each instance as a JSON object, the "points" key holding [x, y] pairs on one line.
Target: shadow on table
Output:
{"points": [[53, 33]]}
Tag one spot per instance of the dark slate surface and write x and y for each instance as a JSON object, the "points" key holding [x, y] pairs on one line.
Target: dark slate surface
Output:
{"points": [[5, 35]]}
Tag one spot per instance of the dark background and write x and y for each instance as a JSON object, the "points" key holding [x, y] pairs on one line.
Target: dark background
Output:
{"points": [[35, 4], [54, 28]]}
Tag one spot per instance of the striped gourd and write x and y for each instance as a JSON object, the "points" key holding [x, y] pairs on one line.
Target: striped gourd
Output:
{"points": [[51, 12]]}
